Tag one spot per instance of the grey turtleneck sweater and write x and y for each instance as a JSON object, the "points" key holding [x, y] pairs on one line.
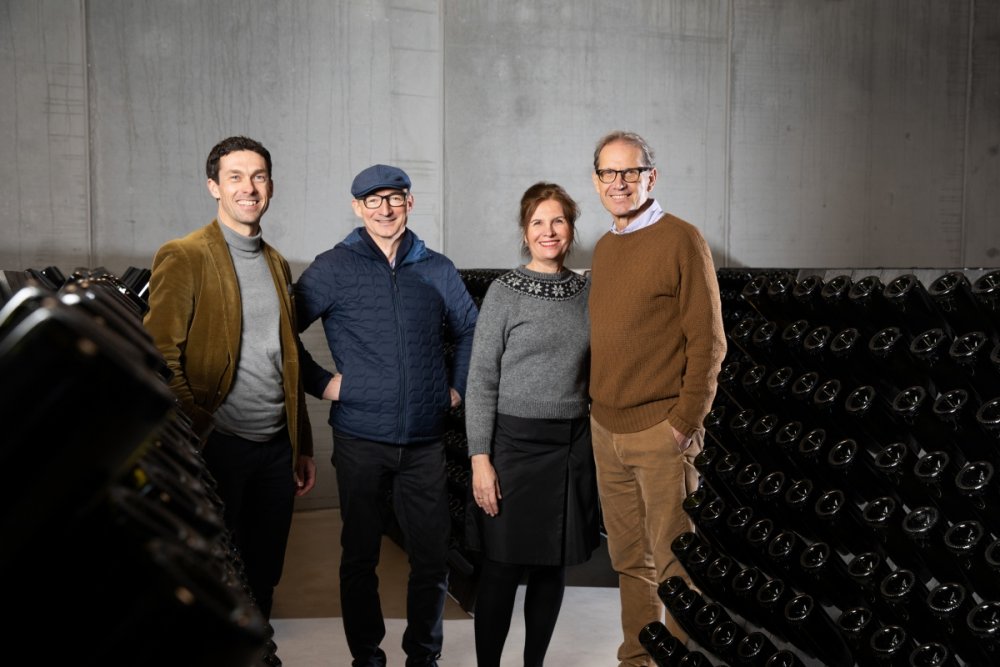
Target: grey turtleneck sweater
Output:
{"points": [[254, 409], [530, 354]]}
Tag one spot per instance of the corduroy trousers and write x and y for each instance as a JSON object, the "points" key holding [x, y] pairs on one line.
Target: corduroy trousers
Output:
{"points": [[642, 479]]}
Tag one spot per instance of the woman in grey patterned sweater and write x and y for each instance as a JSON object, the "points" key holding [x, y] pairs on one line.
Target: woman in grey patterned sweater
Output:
{"points": [[527, 420]]}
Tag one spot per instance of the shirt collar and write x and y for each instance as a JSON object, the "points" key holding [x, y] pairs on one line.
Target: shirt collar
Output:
{"points": [[652, 213]]}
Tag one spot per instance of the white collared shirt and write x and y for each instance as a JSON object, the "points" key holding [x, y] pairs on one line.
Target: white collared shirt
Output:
{"points": [[648, 217]]}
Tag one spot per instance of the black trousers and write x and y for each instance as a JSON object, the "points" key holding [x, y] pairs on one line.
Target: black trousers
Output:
{"points": [[367, 472], [257, 484]]}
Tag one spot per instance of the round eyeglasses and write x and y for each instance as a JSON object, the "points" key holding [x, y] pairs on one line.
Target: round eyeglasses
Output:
{"points": [[628, 175], [396, 199]]}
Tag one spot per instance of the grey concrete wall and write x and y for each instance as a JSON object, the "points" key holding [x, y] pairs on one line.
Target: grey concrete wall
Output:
{"points": [[820, 133]]}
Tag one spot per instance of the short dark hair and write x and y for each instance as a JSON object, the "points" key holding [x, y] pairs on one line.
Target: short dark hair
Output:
{"points": [[538, 193], [629, 138], [231, 145]]}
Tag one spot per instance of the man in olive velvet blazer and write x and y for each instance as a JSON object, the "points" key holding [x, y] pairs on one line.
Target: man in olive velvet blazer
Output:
{"points": [[221, 313]]}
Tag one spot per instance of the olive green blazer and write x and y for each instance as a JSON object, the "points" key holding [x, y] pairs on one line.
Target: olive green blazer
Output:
{"points": [[195, 319]]}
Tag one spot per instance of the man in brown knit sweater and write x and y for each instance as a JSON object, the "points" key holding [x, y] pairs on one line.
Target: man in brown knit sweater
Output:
{"points": [[657, 344]]}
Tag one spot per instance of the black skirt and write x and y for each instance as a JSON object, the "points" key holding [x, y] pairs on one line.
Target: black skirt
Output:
{"points": [[548, 513]]}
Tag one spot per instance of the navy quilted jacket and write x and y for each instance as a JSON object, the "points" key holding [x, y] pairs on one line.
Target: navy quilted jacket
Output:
{"points": [[387, 328]]}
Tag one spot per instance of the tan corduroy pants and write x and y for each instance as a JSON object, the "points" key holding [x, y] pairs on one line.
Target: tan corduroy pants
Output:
{"points": [[643, 480]]}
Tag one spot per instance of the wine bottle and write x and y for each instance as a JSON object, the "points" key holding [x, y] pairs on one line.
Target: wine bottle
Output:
{"points": [[986, 292], [907, 296], [903, 597], [758, 534], [799, 498], [967, 541], [925, 527], [868, 304], [935, 473], [762, 434], [971, 353], [711, 524], [815, 633], [725, 637], [770, 600], [810, 451], [838, 522], [894, 463], [833, 296], [665, 649], [695, 659], [856, 626], [929, 349], [891, 645], [867, 570], [706, 619], [786, 440], [738, 521], [932, 654], [807, 293], [745, 584], [784, 658], [977, 484], [883, 518], [670, 587], [771, 493], [754, 649], [951, 294], [792, 340], [783, 552], [869, 420], [682, 608], [893, 369], [849, 468], [747, 481], [816, 350], [965, 442], [825, 577], [717, 576], [949, 604], [984, 624]]}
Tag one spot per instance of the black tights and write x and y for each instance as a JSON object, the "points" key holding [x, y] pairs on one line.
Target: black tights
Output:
{"points": [[497, 588]]}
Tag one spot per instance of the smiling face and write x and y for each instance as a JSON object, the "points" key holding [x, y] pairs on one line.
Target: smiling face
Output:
{"points": [[385, 223], [548, 236], [624, 200], [243, 191]]}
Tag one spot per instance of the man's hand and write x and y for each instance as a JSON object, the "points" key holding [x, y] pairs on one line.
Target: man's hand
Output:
{"points": [[305, 475], [332, 391], [683, 441], [456, 398]]}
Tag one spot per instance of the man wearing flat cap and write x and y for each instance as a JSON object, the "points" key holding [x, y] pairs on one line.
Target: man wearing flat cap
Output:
{"points": [[388, 305]]}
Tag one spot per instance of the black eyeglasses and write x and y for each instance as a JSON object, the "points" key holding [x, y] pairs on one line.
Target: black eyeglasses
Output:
{"points": [[396, 199], [628, 175]]}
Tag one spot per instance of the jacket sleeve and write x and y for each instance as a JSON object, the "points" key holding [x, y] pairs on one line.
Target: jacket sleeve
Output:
{"points": [[311, 302], [461, 322], [172, 292]]}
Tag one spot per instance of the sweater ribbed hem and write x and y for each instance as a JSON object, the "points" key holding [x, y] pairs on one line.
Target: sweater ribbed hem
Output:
{"points": [[631, 420]]}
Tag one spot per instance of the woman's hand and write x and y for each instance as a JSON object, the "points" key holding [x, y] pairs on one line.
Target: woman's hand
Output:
{"points": [[485, 485]]}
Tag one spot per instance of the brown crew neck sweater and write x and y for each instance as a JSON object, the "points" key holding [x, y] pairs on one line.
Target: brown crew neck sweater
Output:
{"points": [[657, 340]]}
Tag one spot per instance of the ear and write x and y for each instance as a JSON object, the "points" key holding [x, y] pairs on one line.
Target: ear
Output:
{"points": [[213, 189], [409, 202], [597, 181], [652, 179], [358, 208]]}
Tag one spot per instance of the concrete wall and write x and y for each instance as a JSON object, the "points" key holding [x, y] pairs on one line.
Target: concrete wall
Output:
{"points": [[820, 133]]}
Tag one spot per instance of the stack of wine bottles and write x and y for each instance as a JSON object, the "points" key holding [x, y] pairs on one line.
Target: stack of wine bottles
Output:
{"points": [[113, 551], [850, 475]]}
